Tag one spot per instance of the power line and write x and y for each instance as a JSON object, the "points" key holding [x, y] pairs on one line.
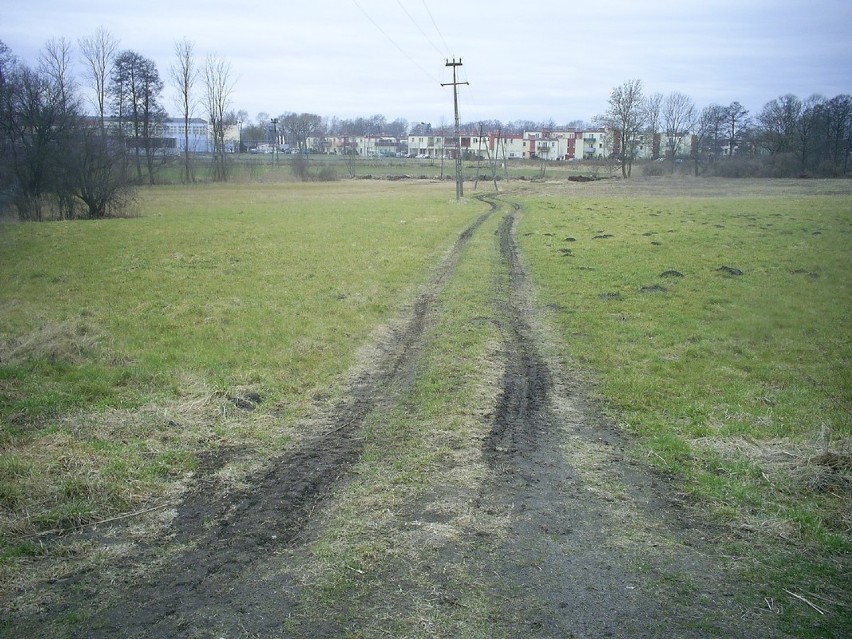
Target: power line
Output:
{"points": [[414, 22], [435, 24], [393, 42]]}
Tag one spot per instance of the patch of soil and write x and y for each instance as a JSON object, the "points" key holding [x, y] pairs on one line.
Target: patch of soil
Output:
{"points": [[219, 543], [593, 545], [577, 561], [653, 288], [730, 270]]}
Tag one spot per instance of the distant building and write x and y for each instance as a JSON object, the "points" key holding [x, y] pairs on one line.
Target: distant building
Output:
{"points": [[199, 137]]}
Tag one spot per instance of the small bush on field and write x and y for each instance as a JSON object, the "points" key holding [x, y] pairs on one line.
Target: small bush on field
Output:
{"points": [[656, 169], [739, 168], [299, 167], [301, 171], [326, 174]]}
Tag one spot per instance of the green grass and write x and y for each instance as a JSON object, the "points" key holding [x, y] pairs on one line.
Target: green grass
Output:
{"points": [[738, 387], [121, 341], [256, 168], [405, 519]]}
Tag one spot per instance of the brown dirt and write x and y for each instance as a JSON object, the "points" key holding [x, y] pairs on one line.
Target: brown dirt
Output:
{"points": [[593, 545]]}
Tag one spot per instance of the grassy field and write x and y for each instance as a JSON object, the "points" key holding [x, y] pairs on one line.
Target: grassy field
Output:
{"points": [[718, 332], [132, 347], [712, 316], [255, 168]]}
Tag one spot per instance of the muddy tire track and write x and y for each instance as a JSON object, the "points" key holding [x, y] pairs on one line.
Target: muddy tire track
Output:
{"points": [[571, 565], [220, 543], [526, 378], [554, 555]]}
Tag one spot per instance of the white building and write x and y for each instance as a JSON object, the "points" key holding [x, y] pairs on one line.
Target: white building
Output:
{"points": [[199, 136]]}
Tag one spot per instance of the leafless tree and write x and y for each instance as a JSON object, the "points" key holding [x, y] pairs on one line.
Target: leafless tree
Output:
{"points": [[39, 112], [839, 132], [808, 124], [136, 87], [626, 116], [653, 106], [55, 63], [777, 123], [98, 172], [184, 75], [398, 128], [218, 87], [705, 124], [712, 123], [736, 121], [98, 53], [678, 118], [301, 126], [8, 64]]}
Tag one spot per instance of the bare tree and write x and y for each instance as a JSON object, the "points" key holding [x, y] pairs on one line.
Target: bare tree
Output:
{"points": [[678, 118], [301, 126], [808, 123], [840, 131], [736, 121], [625, 116], [709, 126], [184, 74], [55, 63], [777, 124], [653, 105], [8, 65], [398, 128], [98, 53], [37, 120], [98, 172], [712, 121], [217, 98], [136, 88]]}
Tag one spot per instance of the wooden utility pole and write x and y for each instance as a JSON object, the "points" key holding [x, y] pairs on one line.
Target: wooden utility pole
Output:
{"points": [[455, 84], [478, 159]]}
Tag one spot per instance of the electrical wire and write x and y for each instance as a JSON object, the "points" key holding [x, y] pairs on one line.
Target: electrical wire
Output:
{"points": [[435, 24], [414, 22], [393, 42]]}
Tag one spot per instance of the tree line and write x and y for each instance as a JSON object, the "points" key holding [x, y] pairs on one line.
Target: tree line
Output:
{"points": [[788, 137], [59, 160]]}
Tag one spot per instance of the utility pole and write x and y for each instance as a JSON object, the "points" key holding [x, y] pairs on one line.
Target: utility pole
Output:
{"points": [[455, 84], [274, 140]]}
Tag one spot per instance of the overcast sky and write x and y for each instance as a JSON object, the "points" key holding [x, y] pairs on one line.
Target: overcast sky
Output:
{"points": [[534, 59]]}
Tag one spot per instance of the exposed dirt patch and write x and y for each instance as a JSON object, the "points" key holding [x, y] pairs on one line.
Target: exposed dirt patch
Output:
{"points": [[730, 270], [597, 547], [566, 536], [218, 540]]}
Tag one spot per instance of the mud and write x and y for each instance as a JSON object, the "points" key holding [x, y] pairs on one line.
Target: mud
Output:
{"points": [[569, 568], [595, 545]]}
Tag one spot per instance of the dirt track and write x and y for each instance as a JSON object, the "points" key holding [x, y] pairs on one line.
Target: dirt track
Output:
{"points": [[590, 544]]}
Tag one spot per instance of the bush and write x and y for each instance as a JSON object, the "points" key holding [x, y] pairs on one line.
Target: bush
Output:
{"points": [[656, 168], [300, 167], [738, 167], [327, 174]]}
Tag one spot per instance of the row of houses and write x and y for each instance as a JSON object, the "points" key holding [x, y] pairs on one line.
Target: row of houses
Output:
{"points": [[563, 144]]}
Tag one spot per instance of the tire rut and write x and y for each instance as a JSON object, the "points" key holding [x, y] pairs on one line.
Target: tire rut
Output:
{"points": [[225, 538], [571, 565]]}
